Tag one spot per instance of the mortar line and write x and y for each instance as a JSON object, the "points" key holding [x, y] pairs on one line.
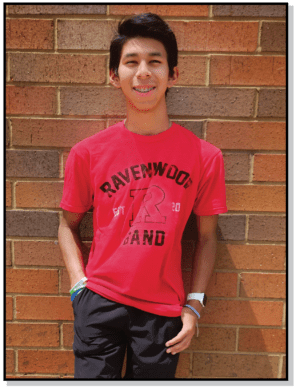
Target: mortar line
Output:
{"points": [[204, 129], [251, 169], [280, 364], [60, 167], [237, 339], [198, 53], [246, 228], [256, 97], [61, 338], [12, 252], [16, 361], [258, 48], [8, 68], [13, 195], [10, 132], [207, 75], [58, 110]]}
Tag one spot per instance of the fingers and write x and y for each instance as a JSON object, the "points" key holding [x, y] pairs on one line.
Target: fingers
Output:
{"points": [[180, 342]]}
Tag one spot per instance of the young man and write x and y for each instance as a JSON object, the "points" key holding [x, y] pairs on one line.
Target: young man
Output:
{"points": [[143, 177]]}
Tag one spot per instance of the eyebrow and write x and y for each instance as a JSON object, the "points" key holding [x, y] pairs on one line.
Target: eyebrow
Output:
{"points": [[154, 54]]}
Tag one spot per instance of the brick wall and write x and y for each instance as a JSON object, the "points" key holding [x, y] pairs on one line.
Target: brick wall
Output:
{"points": [[231, 93]]}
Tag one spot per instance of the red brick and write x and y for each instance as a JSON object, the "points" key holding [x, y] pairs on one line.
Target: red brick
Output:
{"points": [[36, 100], [254, 285], [234, 312], [32, 164], [221, 284], [231, 227], [34, 335], [250, 257], [92, 101], [46, 361], [65, 158], [162, 10], [237, 166], [23, 223], [53, 133], [247, 135], [85, 34], [214, 339], [8, 253], [10, 361], [183, 366], [267, 228], [211, 102], [251, 10], [50, 308], [247, 70], [271, 103], [68, 335], [32, 281], [256, 198], [8, 188], [273, 36], [9, 308], [269, 168], [29, 34], [64, 68], [234, 366], [187, 74], [38, 194], [45, 253], [262, 340], [65, 282], [215, 36]]}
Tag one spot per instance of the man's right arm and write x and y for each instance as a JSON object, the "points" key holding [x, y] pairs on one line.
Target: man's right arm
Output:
{"points": [[71, 245]]}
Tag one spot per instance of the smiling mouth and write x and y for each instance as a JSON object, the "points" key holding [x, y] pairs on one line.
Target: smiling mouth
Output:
{"points": [[144, 90]]}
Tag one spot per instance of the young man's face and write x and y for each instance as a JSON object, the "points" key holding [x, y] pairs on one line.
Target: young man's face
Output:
{"points": [[143, 73]]}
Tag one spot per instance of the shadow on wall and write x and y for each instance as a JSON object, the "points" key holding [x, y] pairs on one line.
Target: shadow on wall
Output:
{"points": [[230, 342], [231, 326]]}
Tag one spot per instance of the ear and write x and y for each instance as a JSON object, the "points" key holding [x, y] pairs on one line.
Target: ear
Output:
{"points": [[114, 79], [174, 78]]}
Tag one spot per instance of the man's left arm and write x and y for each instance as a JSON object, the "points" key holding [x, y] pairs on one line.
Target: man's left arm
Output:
{"points": [[202, 269]]}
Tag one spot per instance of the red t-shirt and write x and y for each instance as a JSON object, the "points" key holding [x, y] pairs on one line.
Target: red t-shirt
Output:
{"points": [[143, 190]]}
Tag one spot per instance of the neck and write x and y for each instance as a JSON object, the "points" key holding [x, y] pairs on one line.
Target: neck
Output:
{"points": [[147, 122]]}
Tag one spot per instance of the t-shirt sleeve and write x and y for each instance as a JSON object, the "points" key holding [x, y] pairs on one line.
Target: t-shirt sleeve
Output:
{"points": [[211, 195], [77, 193]]}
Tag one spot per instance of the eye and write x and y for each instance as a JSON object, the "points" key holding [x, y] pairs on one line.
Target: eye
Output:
{"points": [[155, 61]]}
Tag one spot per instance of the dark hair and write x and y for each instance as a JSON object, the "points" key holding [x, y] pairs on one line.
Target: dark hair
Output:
{"points": [[146, 25]]}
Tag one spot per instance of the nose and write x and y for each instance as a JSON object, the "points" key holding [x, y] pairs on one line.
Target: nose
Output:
{"points": [[143, 70]]}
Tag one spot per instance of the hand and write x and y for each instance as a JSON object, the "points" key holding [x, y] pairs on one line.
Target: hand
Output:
{"points": [[184, 337]]}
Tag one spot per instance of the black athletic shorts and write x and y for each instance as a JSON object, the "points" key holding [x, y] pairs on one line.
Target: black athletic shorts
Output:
{"points": [[104, 329]]}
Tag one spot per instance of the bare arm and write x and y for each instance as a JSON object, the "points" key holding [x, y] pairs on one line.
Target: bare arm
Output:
{"points": [[203, 265], [204, 257], [71, 245]]}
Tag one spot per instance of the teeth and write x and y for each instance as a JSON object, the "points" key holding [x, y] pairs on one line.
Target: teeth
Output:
{"points": [[144, 90]]}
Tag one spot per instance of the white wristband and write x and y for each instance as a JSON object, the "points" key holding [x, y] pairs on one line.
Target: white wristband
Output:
{"points": [[79, 284]]}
